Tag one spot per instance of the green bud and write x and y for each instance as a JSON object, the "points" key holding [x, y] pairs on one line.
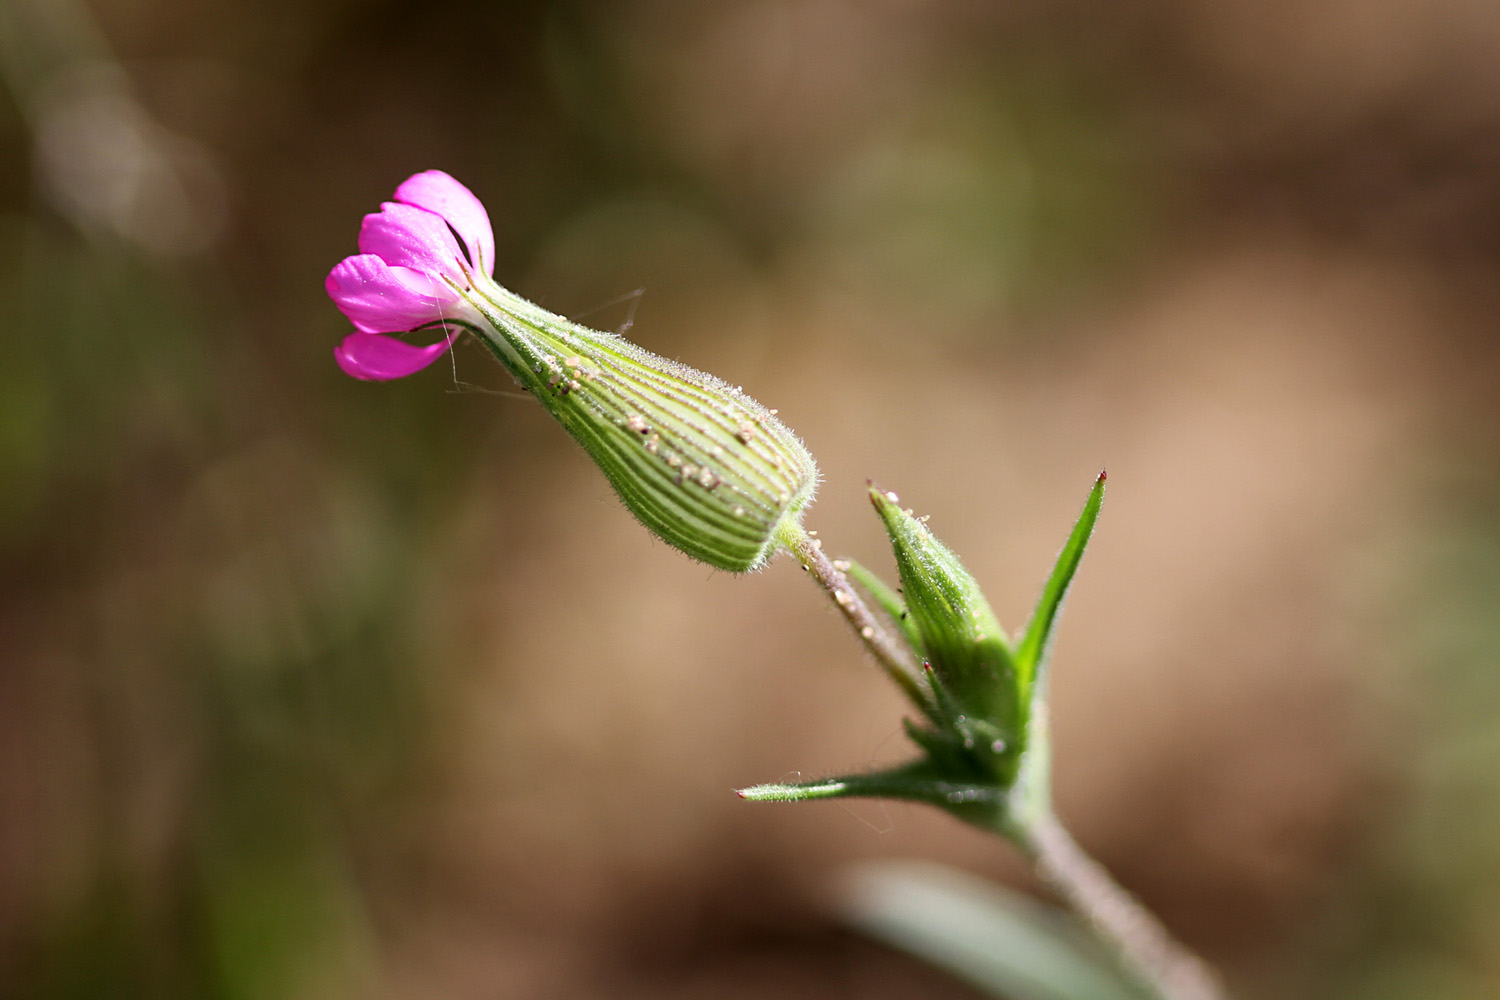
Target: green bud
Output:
{"points": [[971, 661], [706, 468]]}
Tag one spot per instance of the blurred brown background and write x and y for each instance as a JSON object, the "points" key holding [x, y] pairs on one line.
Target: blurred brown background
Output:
{"points": [[318, 689]]}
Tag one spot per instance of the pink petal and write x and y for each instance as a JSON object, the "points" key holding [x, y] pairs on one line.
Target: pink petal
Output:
{"points": [[444, 196], [407, 236], [379, 298], [374, 357]]}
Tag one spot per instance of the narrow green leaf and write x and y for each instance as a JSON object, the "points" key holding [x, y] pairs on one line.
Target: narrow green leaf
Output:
{"points": [[1001, 941], [1032, 652], [919, 781], [891, 603]]}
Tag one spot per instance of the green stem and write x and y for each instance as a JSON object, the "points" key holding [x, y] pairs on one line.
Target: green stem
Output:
{"points": [[1142, 943], [889, 649]]}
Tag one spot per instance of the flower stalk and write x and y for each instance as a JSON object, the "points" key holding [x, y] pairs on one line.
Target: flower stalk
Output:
{"points": [[893, 655]]}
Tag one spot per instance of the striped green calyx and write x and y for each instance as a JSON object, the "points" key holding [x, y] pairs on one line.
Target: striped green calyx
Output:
{"points": [[708, 469]]}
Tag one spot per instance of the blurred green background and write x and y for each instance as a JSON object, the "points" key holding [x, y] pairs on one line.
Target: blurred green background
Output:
{"points": [[318, 689]]}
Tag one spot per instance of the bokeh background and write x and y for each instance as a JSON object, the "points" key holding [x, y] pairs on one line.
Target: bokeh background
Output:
{"points": [[318, 689]]}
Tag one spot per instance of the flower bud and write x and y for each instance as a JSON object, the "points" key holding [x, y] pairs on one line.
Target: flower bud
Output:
{"points": [[709, 470], [706, 467], [968, 652]]}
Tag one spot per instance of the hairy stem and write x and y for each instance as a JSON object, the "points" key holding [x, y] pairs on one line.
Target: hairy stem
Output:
{"points": [[889, 648], [1144, 946]]}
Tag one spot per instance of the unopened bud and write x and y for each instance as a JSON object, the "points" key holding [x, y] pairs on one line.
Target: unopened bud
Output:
{"points": [[961, 639]]}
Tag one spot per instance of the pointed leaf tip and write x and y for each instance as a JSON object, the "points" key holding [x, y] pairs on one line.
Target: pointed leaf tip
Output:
{"points": [[798, 791], [1031, 652]]}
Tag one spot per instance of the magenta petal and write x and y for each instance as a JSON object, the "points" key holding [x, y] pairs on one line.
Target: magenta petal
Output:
{"points": [[378, 358], [379, 298], [407, 236], [441, 194]]}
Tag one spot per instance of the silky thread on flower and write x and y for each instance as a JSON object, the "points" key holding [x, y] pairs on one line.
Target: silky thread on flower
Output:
{"points": [[705, 467]]}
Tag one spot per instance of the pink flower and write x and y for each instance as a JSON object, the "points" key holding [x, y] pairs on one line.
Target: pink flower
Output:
{"points": [[412, 272]]}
